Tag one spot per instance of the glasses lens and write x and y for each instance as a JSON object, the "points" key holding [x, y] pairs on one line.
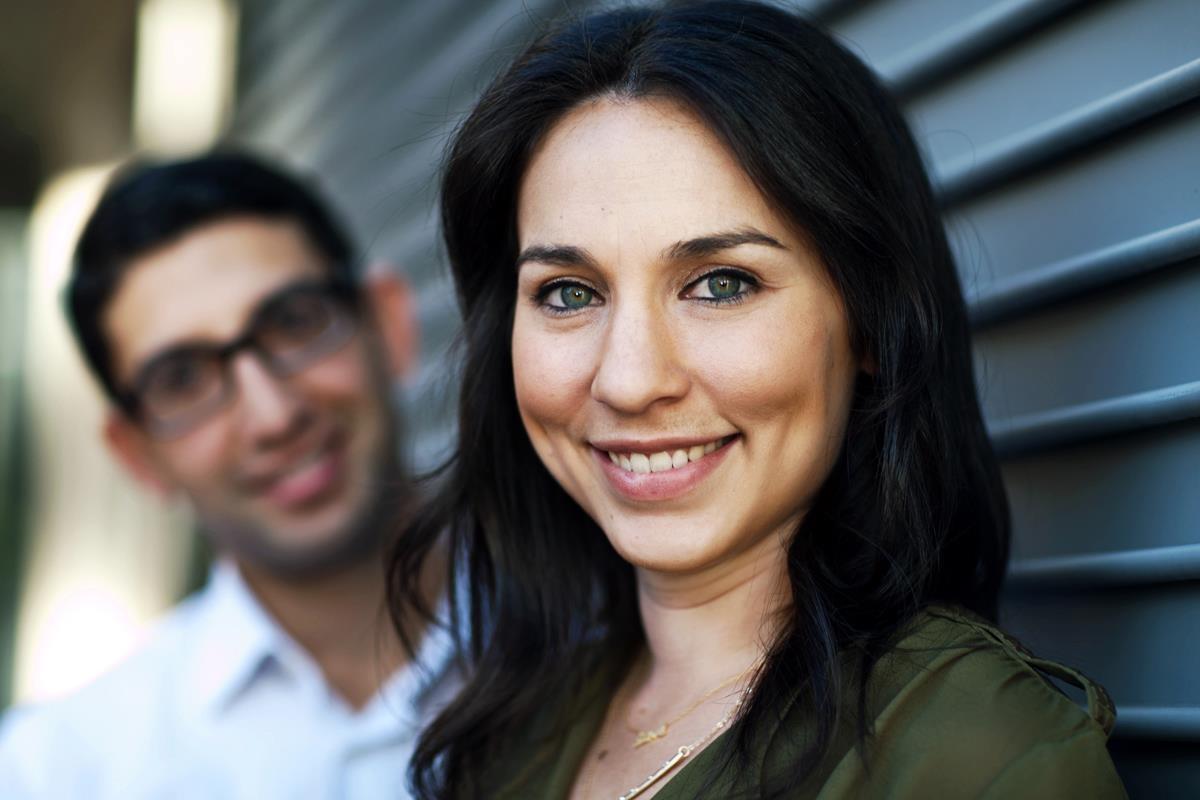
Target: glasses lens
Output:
{"points": [[302, 326], [181, 387]]}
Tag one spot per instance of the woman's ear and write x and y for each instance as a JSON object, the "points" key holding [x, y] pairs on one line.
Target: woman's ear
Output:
{"points": [[128, 445], [395, 319]]}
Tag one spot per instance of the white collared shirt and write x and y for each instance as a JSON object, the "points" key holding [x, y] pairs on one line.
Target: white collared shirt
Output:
{"points": [[221, 704]]}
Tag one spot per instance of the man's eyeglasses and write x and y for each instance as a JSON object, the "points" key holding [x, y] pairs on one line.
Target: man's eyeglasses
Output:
{"points": [[292, 329]]}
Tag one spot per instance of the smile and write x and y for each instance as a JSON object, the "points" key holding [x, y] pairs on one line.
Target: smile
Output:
{"points": [[306, 479], [654, 475], [664, 460]]}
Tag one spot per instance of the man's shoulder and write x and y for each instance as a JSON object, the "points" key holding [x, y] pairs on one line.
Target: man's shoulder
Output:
{"points": [[116, 710], [154, 659]]}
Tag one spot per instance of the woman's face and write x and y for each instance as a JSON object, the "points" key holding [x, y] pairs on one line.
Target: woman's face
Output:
{"points": [[682, 362]]}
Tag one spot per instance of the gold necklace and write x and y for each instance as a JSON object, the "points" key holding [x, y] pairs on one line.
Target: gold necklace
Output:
{"points": [[644, 737], [676, 758]]}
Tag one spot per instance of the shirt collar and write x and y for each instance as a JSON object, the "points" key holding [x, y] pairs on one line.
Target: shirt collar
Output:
{"points": [[417, 689], [233, 641]]}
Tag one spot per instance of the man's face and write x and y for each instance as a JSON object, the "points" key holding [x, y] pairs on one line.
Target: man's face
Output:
{"points": [[292, 474]]}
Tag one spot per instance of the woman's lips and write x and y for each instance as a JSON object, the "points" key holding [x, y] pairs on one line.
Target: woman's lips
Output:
{"points": [[638, 481]]}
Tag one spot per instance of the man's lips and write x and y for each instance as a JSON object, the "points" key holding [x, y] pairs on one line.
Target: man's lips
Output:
{"points": [[306, 479], [660, 474]]}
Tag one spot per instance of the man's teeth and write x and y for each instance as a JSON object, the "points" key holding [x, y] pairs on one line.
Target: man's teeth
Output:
{"points": [[301, 465], [644, 464]]}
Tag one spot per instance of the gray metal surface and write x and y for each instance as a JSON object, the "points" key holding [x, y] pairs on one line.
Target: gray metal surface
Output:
{"points": [[1107, 496], [1094, 51], [1063, 280], [1069, 166]]}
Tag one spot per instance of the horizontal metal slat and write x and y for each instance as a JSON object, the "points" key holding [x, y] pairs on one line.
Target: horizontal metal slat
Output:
{"points": [[1107, 570], [1045, 430], [968, 41], [827, 10], [1059, 136], [297, 44], [1074, 276], [1158, 723], [445, 73]]}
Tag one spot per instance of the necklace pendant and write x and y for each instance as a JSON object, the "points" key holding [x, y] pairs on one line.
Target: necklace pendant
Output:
{"points": [[646, 737]]}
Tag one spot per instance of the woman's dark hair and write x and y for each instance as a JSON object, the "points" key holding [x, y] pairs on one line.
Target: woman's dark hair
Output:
{"points": [[148, 204], [913, 513]]}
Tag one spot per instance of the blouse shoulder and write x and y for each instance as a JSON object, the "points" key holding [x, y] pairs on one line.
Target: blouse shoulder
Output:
{"points": [[992, 652], [962, 709]]}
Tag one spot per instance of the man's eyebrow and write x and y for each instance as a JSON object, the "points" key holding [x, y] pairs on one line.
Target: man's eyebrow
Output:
{"points": [[187, 344], [559, 254], [703, 246]]}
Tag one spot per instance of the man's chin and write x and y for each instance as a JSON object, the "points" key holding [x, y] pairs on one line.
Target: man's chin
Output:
{"points": [[313, 559], [291, 558], [297, 545]]}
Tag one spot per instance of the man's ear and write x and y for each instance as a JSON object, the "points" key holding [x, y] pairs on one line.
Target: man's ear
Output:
{"points": [[128, 444], [395, 320]]}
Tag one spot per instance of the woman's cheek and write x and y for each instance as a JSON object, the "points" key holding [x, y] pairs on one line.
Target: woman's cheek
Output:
{"points": [[773, 382], [749, 364], [549, 371]]}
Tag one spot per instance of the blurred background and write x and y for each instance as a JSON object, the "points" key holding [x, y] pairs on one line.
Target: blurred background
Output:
{"points": [[1064, 137]]}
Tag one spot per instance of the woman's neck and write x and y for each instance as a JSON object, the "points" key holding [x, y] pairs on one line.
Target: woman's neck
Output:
{"points": [[705, 626]]}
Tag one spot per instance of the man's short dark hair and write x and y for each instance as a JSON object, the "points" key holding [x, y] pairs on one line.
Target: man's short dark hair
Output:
{"points": [[149, 204]]}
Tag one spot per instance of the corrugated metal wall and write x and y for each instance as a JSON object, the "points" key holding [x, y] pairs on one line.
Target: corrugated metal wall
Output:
{"points": [[1065, 139]]}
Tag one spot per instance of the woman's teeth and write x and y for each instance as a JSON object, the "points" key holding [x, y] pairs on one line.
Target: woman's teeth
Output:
{"points": [[645, 463]]}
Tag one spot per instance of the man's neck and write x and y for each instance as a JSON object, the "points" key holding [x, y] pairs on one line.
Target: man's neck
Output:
{"points": [[341, 620]]}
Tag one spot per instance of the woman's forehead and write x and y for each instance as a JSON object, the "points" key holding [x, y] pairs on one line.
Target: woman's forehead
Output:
{"points": [[615, 175]]}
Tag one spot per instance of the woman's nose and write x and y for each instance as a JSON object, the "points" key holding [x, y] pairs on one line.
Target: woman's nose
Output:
{"points": [[639, 364]]}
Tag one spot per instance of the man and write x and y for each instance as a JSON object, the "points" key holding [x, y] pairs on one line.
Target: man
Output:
{"points": [[216, 301]]}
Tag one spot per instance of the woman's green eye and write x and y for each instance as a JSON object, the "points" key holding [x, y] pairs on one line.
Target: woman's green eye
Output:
{"points": [[575, 296], [724, 286]]}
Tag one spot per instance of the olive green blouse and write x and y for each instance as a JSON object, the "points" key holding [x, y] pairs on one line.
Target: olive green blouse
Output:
{"points": [[960, 710]]}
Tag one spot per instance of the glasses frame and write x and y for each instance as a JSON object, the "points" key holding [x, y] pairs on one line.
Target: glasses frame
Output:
{"points": [[342, 291]]}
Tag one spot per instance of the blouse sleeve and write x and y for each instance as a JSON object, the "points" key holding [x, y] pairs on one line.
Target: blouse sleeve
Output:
{"points": [[1078, 767], [975, 716]]}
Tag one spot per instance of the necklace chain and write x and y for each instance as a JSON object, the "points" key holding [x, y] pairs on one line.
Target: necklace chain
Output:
{"points": [[646, 736], [676, 758], [683, 752]]}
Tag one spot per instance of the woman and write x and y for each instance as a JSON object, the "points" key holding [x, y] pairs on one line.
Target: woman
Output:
{"points": [[727, 512]]}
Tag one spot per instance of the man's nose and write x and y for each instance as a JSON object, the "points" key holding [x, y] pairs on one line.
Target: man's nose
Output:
{"points": [[639, 363], [269, 408]]}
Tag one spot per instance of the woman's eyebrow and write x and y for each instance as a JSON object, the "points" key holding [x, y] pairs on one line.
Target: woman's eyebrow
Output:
{"points": [[702, 246], [559, 254], [699, 247]]}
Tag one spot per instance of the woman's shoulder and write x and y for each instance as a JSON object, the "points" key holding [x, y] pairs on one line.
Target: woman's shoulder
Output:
{"points": [[967, 662], [961, 708]]}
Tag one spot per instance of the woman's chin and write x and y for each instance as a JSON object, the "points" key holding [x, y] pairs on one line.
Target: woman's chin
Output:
{"points": [[669, 552], [687, 549]]}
